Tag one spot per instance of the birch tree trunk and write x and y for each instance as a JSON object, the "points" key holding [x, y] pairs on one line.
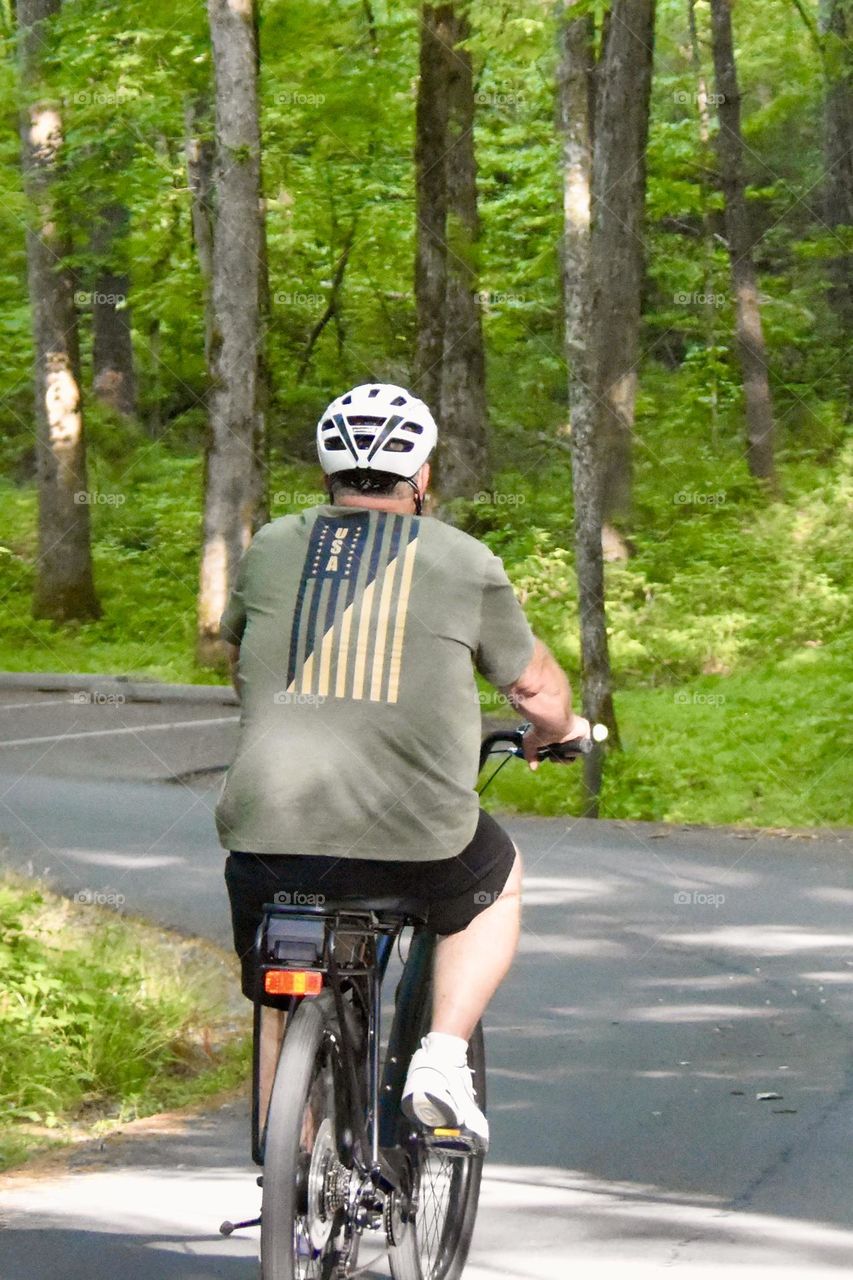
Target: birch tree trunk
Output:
{"points": [[752, 351], [64, 586], [235, 426], [576, 83]]}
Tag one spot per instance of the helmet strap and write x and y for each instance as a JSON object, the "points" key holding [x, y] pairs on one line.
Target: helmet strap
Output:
{"points": [[419, 502]]}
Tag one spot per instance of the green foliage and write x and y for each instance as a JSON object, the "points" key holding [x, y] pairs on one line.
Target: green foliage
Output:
{"points": [[764, 747], [99, 1019], [721, 586]]}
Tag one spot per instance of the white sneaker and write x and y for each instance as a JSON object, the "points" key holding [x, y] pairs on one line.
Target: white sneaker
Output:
{"points": [[440, 1093]]}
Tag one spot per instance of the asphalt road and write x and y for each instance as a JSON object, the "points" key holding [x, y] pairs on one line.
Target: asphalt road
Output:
{"points": [[665, 979]]}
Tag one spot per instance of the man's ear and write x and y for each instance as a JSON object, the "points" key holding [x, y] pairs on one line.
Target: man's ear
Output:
{"points": [[423, 479]]}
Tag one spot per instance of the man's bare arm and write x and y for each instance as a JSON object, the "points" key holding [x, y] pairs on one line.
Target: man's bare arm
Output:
{"points": [[543, 696]]}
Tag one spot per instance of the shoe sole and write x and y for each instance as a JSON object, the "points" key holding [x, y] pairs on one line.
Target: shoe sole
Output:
{"points": [[429, 1110], [432, 1113]]}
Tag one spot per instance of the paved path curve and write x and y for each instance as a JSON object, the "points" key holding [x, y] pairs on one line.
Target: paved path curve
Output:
{"points": [[666, 978]]}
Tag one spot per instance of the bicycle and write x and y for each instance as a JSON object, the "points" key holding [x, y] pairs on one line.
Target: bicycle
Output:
{"points": [[339, 1157]]}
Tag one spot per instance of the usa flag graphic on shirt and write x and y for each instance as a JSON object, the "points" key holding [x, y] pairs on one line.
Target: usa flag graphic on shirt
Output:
{"points": [[350, 619]]}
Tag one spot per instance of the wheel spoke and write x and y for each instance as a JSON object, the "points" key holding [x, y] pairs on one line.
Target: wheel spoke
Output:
{"points": [[442, 1181]]}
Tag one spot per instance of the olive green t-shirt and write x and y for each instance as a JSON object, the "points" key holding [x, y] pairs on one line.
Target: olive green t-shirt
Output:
{"points": [[359, 631]]}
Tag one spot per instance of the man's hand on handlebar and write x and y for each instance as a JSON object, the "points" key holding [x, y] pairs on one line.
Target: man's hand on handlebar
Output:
{"points": [[534, 739]]}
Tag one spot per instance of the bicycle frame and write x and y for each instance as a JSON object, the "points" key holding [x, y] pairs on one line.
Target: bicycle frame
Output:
{"points": [[380, 1124]]}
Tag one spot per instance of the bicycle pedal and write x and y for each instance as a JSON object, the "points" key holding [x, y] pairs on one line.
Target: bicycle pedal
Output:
{"points": [[454, 1141]]}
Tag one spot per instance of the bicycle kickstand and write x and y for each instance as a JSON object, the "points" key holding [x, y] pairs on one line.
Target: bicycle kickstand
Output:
{"points": [[227, 1227]]}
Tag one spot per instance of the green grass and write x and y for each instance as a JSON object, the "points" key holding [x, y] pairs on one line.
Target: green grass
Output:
{"points": [[104, 1020], [766, 747]]}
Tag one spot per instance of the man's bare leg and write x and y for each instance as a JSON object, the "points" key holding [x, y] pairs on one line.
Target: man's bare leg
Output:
{"points": [[470, 965], [272, 1031]]}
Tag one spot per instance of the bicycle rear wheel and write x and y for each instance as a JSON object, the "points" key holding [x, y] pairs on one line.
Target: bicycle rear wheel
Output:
{"points": [[447, 1189], [299, 1239]]}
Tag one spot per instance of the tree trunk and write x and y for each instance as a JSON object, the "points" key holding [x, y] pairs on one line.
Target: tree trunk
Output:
{"points": [[463, 455], [750, 336], [235, 428], [113, 378], [449, 368], [431, 118], [263, 393], [65, 587], [200, 153], [836, 25], [707, 225], [576, 71], [618, 194]]}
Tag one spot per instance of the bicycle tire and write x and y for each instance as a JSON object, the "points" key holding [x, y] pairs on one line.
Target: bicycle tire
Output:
{"points": [[305, 1086], [415, 1257]]}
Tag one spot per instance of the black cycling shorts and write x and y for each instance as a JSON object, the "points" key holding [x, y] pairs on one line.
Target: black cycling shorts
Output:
{"points": [[456, 889]]}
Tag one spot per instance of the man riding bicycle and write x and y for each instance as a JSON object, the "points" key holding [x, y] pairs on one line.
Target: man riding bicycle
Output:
{"points": [[354, 629]]}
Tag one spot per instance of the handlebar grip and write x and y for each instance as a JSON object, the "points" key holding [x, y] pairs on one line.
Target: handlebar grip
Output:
{"points": [[575, 746]]}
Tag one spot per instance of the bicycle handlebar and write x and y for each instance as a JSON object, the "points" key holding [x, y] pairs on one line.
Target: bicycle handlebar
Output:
{"points": [[559, 751]]}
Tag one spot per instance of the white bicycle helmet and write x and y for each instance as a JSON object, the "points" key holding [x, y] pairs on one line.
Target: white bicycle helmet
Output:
{"points": [[376, 427]]}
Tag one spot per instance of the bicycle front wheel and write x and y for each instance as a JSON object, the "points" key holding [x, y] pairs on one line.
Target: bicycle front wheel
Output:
{"points": [[300, 1240], [447, 1191]]}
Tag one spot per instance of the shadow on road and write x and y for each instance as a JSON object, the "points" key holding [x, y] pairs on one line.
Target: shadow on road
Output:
{"points": [[66, 1253]]}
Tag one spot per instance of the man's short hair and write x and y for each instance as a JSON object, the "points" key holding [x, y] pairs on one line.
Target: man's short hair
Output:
{"points": [[359, 480]]}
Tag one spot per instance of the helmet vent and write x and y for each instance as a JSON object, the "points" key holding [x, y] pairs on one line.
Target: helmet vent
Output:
{"points": [[376, 428]]}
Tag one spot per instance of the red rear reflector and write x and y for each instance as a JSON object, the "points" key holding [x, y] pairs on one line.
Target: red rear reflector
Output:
{"points": [[293, 982]]}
